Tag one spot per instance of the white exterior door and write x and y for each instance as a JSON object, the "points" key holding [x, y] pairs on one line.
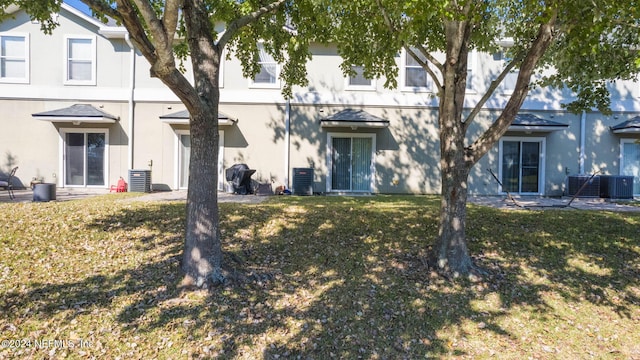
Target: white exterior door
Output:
{"points": [[630, 162], [522, 165], [351, 162], [183, 155], [84, 157]]}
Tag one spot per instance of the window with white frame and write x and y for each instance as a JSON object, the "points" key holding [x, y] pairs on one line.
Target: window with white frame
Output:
{"points": [[223, 58], [351, 162], [472, 60], [509, 83], [183, 158], [359, 81], [269, 70], [14, 58], [414, 76], [522, 164], [80, 61]]}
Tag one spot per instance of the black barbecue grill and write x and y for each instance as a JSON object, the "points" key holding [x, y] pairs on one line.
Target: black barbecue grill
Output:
{"points": [[239, 175]]}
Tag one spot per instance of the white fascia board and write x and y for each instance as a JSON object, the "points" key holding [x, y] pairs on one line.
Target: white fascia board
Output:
{"points": [[356, 124], [536, 128], [111, 32], [181, 121], [76, 119], [627, 131]]}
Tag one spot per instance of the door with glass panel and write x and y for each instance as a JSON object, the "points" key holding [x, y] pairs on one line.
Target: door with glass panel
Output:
{"points": [[351, 161], [184, 156], [521, 166], [84, 158], [630, 164]]}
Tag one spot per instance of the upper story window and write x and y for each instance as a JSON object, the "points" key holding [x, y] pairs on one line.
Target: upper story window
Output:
{"points": [[414, 76], [80, 61], [268, 77], [359, 81], [221, 69], [509, 83], [472, 60], [14, 58]]}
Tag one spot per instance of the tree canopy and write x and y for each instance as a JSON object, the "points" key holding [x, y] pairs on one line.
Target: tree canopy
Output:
{"points": [[593, 42], [581, 45], [168, 32]]}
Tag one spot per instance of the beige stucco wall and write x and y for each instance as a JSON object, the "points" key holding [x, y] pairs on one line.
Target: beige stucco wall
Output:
{"points": [[406, 154], [35, 145]]}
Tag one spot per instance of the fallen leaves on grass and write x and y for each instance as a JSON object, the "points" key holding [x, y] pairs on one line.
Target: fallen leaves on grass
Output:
{"points": [[327, 277]]}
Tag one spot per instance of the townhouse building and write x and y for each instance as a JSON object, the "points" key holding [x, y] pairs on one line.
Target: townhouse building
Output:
{"points": [[80, 109]]}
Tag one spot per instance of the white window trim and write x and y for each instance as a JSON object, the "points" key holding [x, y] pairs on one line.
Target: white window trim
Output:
{"points": [[223, 59], [330, 136], [348, 86], [502, 88], [177, 158], [62, 152], [275, 85], [65, 55], [27, 55], [621, 156], [403, 77], [543, 152], [472, 72]]}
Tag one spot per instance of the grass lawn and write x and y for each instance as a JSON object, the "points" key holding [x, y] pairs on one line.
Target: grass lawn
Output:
{"points": [[334, 277]]}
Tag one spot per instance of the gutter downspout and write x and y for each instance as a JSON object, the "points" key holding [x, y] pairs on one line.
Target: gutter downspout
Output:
{"points": [[583, 121], [287, 140], [132, 76]]}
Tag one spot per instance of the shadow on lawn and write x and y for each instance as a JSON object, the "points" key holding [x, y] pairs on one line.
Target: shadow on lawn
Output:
{"points": [[350, 277], [584, 254], [99, 291]]}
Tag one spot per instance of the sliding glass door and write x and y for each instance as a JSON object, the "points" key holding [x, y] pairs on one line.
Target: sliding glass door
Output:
{"points": [[630, 162], [351, 162], [521, 165], [85, 158], [183, 156]]}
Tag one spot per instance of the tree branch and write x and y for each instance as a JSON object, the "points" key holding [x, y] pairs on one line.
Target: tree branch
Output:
{"points": [[431, 58], [170, 18], [423, 51], [155, 26], [136, 30], [539, 46], [102, 7], [237, 24], [491, 90], [425, 65]]}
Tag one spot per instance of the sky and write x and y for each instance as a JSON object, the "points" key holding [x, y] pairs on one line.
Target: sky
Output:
{"points": [[79, 5]]}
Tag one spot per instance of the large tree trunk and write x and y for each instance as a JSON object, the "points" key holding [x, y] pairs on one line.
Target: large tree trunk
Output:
{"points": [[450, 253], [202, 258]]}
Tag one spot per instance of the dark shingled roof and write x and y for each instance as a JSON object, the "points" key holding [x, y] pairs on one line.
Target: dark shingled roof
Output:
{"points": [[184, 114], [632, 125], [352, 115], [534, 121], [77, 111], [354, 119]]}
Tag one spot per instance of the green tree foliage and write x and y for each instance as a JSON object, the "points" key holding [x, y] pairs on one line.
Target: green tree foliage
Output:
{"points": [[168, 32], [588, 43]]}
